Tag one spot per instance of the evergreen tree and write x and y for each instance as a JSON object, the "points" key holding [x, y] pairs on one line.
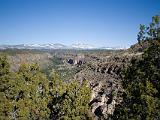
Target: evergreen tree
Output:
{"points": [[75, 104], [142, 82], [26, 96], [69, 100], [4, 84], [4, 72]]}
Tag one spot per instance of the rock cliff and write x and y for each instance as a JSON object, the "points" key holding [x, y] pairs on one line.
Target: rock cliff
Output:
{"points": [[105, 81]]}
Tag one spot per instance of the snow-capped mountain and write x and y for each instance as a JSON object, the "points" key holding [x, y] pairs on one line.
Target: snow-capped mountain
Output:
{"points": [[53, 46], [34, 46], [56, 46], [82, 46], [113, 48]]}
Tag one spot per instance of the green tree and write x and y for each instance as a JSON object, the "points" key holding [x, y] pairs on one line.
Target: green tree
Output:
{"points": [[75, 104], [69, 100], [141, 82], [151, 32], [4, 72], [26, 95], [32, 93], [4, 84]]}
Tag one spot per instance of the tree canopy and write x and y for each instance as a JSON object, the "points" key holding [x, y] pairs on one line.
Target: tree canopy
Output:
{"points": [[142, 80], [29, 94]]}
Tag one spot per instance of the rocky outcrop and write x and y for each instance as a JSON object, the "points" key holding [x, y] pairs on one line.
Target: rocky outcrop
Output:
{"points": [[105, 81]]}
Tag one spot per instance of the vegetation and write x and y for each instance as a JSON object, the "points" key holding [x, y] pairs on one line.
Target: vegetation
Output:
{"points": [[70, 101], [34, 94], [29, 94], [142, 79], [65, 71]]}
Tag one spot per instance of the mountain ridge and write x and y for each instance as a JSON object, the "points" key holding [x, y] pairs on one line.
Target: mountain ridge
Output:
{"points": [[57, 46]]}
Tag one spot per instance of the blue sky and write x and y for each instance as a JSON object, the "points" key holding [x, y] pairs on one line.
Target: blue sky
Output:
{"points": [[95, 22]]}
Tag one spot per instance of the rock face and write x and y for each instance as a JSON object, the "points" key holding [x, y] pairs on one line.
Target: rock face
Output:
{"points": [[105, 81]]}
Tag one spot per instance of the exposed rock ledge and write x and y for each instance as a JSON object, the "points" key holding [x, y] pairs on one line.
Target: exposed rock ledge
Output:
{"points": [[105, 82]]}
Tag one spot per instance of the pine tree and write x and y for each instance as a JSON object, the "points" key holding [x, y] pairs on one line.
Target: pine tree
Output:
{"points": [[69, 100], [5, 105], [75, 105], [4, 72], [142, 83], [26, 96]]}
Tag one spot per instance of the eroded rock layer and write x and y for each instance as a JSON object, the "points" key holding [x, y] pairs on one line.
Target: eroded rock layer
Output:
{"points": [[105, 81]]}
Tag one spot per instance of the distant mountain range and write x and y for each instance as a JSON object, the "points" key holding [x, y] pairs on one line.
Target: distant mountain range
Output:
{"points": [[56, 46]]}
